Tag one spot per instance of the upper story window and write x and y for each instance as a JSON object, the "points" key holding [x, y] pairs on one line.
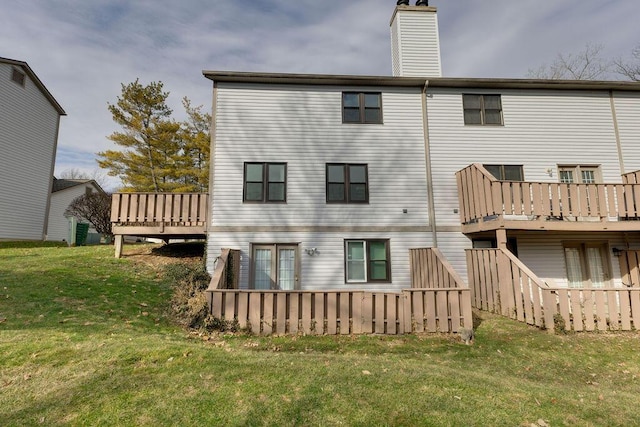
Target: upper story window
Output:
{"points": [[482, 109], [506, 172], [17, 76], [361, 107], [347, 183], [265, 182], [579, 174]]}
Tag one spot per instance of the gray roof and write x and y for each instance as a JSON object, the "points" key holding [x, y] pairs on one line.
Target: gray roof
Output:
{"points": [[63, 184], [443, 82], [36, 80]]}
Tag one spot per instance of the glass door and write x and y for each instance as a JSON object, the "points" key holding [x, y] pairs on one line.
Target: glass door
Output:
{"points": [[587, 265], [275, 267]]}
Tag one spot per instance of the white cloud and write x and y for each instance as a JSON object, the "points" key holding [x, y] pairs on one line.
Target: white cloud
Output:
{"points": [[83, 50]]}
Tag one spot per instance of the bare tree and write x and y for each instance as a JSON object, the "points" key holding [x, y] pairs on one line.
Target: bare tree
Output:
{"points": [[587, 64], [629, 68], [95, 208], [97, 175]]}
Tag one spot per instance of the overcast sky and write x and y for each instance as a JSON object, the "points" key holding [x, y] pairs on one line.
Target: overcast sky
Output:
{"points": [[83, 50]]}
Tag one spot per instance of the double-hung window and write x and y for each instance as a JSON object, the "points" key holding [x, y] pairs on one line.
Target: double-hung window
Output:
{"points": [[361, 107], [265, 182], [367, 261], [347, 183], [482, 109]]}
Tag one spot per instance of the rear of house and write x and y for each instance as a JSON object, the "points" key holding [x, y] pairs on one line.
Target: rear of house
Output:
{"points": [[319, 182], [29, 122]]}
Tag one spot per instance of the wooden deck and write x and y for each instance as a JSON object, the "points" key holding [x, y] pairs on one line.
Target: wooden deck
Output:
{"points": [[159, 215], [488, 204]]}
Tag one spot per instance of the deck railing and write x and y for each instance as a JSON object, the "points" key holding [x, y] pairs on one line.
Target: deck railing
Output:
{"points": [[435, 309], [344, 312], [227, 270], [483, 198], [155, 209], [430, 269], [502, 284], [630, 267]]}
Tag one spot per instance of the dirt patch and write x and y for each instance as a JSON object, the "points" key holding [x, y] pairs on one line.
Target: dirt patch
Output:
{"points": [[159, 255]]}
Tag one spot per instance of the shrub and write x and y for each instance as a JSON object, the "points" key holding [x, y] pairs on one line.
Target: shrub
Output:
{"points": [[189, 300]]}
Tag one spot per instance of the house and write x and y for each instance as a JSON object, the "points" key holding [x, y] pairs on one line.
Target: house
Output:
{"points": [[64, 191], [330, 195], [326, 181], [29, 123]]}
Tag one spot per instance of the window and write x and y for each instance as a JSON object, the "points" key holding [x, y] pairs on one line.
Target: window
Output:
{"points": [[506, 172], [367, 261], [347, 183], [577, 174], [587, 265], [361, 107], [265, 182], [17, 76], [482, 109]]}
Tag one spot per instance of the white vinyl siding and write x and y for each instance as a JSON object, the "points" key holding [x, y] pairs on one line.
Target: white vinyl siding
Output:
{"points": [[302, 126], [326, 269], [627, 107], [415, 48], [541, 130], [58, 228], [29, 125]]}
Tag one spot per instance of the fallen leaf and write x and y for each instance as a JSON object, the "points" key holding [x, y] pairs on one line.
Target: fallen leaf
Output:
{"points": [[365, 372]]}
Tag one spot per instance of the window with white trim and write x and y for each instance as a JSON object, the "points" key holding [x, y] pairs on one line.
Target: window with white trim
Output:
{"points": [[579, 174], [367, 260]]}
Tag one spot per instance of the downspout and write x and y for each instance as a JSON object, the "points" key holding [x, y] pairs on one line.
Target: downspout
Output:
{"points": [[427, 159], [616, 129], [212, 154]]}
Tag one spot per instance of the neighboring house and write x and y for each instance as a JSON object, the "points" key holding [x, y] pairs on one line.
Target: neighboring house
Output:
{"points": [[63, 193], [29, 122], [327, 181]]}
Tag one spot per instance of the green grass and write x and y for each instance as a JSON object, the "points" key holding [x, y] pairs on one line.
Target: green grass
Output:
{"points": [[85, 340]]}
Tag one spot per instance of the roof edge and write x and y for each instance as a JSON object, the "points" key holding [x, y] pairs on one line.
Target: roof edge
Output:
{"points": [[32, 75], [444, 82]]}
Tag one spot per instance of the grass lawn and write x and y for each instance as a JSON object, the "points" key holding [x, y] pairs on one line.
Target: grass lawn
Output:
{"points": [[85, 339]]}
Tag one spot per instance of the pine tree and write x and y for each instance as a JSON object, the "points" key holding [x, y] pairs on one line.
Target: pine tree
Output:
{"points": [[150, 138]]}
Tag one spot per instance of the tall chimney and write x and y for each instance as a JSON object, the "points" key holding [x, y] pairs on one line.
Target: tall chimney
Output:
{"points": [[415, 43]]}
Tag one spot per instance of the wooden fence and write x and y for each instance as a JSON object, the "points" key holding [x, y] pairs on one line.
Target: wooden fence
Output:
{"points": [[444, 307], [481, 196], [630, 267], [430, 269], [344, 312], [227, 270], [501, 283], [631, 177]]}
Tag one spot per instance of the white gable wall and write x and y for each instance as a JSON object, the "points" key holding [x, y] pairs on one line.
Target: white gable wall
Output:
{"points": [[29, 128]]}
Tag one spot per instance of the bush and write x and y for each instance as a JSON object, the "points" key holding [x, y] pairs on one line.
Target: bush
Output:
{"points": [[189, 305]]}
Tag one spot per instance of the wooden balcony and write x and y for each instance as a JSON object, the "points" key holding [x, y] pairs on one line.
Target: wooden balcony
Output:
{"points": [[488, 204], [160, 215]]}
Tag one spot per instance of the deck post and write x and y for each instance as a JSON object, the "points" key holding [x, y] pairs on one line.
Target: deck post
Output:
{"points": [[501, 238], [118, 244]]}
